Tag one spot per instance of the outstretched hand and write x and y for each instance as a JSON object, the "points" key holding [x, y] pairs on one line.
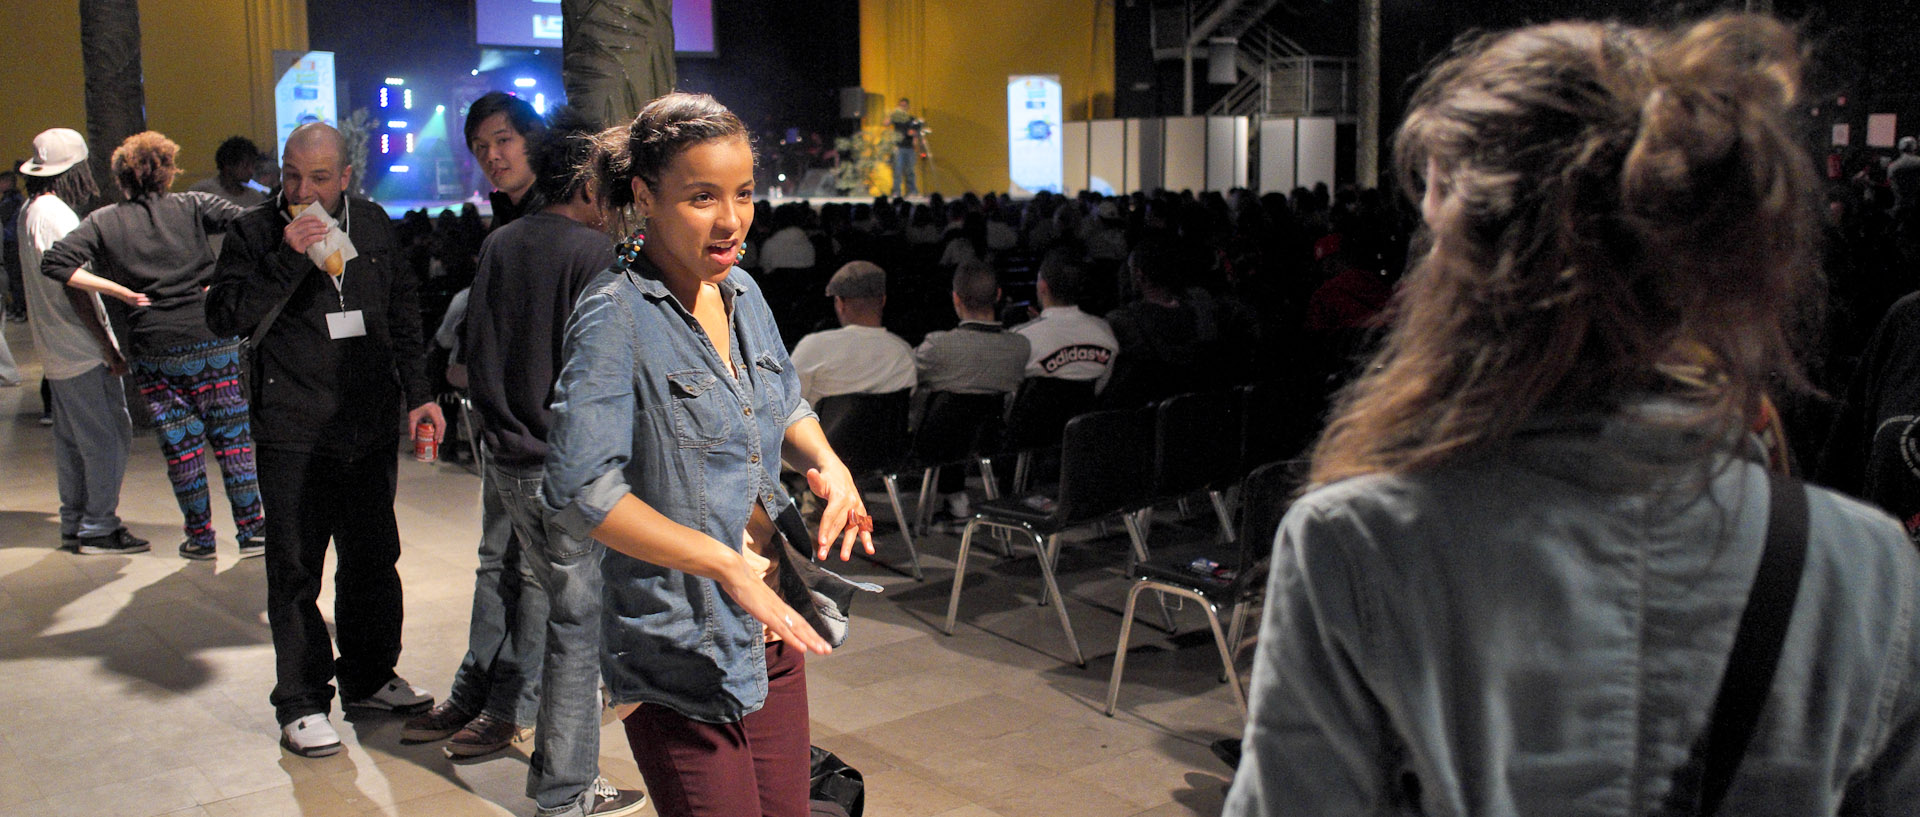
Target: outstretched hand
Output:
{"points": [[846, 516]]}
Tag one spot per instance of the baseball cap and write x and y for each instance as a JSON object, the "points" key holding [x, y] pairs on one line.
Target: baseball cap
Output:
{"points": [[54, 151], [858, 279]]}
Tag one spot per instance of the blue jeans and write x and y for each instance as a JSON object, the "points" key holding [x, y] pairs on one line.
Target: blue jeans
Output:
{"points": [[500, 675], [562, 605], [905, 160]]}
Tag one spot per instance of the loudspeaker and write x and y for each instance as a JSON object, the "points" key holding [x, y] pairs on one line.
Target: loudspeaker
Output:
{"points": [[853, 102]]}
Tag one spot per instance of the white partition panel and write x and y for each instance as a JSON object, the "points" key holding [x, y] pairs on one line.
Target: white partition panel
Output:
{"points": [[1277, 157], [1315, 152], [1107, 156], [1073, 141], [1226, 152], [1146, 155], [1186, 156]]}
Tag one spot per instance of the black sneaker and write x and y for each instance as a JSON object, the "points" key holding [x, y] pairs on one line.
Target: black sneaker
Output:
{"points": [[1228, 750], [603, 800], [70, 542], [119, 541], [198, 553], [252, 546]]}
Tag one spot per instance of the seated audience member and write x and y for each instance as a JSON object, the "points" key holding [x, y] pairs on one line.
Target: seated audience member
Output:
{"points": [[976, 357], [860, 357], [1169, 343], [789, 247], [1064, 341], [1870, 451]]}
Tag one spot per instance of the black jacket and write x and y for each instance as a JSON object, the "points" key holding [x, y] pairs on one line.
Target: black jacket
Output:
{"points": [[311, 393]]}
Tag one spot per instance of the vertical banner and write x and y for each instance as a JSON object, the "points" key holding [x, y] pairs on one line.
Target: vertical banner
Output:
{"points": [[304, 92], [1035, 157]]}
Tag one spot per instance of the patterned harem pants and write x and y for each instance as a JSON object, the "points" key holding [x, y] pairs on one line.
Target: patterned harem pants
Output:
{"points": [[199, 405]]}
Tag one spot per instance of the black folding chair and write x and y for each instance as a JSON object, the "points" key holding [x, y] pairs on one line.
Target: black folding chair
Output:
{"points": [[955, 429], [1039, 412], [869, 433], [1105, 466], [1196, 447], [1264, 499]]}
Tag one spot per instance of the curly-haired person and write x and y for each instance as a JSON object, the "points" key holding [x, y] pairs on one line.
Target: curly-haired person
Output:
{"points": [[152, 252]]}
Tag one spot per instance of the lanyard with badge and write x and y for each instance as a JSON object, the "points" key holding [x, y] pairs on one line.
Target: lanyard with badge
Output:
{"points": [[333, 252]]}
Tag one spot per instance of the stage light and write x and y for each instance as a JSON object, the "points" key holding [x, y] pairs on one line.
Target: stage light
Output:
{"points": [[407, 96], [396, 81], [439, 109], [524, 82], [397, 124], [540, 104], [783, 177], [409, 143], [386, 143], [474, 72], [383, 98], [399, 169]]}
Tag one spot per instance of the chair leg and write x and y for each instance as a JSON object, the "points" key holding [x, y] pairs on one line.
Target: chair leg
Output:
{"points": [[1135, 535], [1048, 552], [987, 481], [960, 573], [1226, 655], [923, 509], [1236, 627], [1227, 533], [1120, 651], [1060, 604], [1022, 463], [906, 524]]}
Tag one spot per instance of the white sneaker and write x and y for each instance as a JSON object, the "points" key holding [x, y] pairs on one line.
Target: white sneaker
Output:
{"points": [[310, 736], [397, 696], [957, 505]]}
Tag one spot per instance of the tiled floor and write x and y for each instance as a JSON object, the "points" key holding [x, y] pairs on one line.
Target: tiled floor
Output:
{"points": [[138, 685]]}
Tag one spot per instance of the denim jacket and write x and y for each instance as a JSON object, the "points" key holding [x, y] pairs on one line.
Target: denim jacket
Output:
{"points": [[1542, 629], [644, 405]]}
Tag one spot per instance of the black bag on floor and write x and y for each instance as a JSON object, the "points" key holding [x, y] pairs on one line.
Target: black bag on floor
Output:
{"points": [[838, 789]]}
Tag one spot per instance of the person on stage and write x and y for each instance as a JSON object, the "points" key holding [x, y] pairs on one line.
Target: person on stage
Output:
{"points": [[907, 150]]}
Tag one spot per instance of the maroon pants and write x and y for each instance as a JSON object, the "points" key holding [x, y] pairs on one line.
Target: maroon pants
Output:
{"points": [[757, 766]]}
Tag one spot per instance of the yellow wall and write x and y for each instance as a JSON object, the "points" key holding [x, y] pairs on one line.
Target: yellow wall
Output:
{"points": [[208, 68], [952, 59]]}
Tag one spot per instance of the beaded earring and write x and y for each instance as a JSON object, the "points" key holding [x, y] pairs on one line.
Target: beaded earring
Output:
{"points": [[629, 249]]}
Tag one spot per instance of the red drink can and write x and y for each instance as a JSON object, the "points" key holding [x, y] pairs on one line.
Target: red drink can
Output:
{"points": [[424, 448]]}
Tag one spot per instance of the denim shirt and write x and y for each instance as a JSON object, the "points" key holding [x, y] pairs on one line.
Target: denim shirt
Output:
{"points": [[644, 405], [1542, 629]]}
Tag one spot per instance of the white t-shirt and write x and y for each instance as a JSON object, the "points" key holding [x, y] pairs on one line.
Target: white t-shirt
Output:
{"points": [[790, 248], [852, 360], [1070, 344], [66, 348]]}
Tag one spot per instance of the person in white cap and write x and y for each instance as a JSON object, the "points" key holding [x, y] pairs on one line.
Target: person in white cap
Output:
{"points": [[92, 433]]}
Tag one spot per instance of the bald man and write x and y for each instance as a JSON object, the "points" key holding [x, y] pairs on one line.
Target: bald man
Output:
{"points": [[336, 362]]}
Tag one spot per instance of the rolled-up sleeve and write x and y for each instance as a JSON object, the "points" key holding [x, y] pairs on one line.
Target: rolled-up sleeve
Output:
{"points": [[591, 440], [797, 407]]}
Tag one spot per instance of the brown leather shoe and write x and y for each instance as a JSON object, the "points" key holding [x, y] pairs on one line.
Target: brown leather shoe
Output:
{"points": [[440, 722], [484, 735]]}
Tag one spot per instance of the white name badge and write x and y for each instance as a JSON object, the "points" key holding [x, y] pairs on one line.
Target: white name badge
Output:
{"points": [[343, 325]]}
